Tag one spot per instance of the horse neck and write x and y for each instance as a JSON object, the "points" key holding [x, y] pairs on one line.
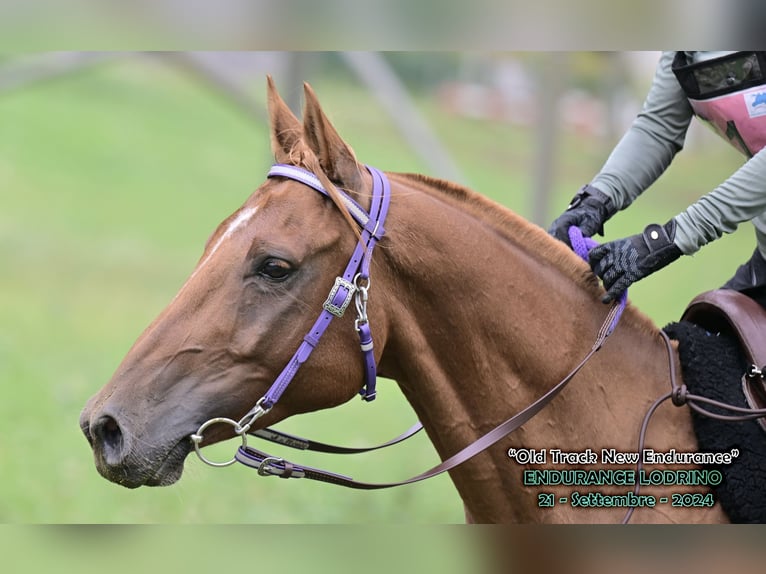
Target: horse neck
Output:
{"points": [[486, 313]]}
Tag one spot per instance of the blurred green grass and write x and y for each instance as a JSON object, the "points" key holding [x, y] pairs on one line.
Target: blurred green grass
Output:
{"points": [[112, 179]]}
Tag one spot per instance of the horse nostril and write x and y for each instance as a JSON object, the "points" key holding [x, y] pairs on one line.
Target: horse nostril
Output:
{"points": [[85, 427], [107, 435], [86, 432]]}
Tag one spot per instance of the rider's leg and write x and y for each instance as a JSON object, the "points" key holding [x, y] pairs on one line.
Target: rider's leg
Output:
{"points": [[750, 278]]}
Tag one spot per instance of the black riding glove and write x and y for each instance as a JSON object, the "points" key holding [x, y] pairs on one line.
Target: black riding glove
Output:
{"points": [[588, 210], [624, 261]]}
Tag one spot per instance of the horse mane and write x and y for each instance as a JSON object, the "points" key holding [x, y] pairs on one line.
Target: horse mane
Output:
{"points": [[518, 230]]}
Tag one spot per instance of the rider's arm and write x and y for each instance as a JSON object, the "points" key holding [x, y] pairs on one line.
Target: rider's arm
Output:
{"points": [[740, 198], [650, 144]]}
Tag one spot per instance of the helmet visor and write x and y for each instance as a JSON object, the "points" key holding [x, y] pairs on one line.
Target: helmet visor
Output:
{"points": [[720, 76]]}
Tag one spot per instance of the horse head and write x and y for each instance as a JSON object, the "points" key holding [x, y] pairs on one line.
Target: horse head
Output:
{"points": [[235, 323]]}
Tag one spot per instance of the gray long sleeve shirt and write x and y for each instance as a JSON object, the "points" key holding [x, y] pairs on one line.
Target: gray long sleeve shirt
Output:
{"points": [[647, 149]]}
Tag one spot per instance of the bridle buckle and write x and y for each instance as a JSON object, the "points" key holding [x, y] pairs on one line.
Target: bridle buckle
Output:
{"points": [[339, 309]]}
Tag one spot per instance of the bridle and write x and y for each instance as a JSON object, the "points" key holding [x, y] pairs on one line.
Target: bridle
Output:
{"points": [[353, 285]]}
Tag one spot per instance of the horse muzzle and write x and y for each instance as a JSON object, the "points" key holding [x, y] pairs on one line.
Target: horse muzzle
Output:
{"points": [[119, 460]]}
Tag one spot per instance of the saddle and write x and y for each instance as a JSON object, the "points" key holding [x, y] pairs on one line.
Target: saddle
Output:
{"points": [[726, 310]]}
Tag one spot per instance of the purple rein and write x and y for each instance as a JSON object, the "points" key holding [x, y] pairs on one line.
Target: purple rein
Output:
{"points": [[582, 246]]}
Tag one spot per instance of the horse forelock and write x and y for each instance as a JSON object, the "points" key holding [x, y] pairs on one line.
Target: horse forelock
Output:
{"points": [[526, 235]]}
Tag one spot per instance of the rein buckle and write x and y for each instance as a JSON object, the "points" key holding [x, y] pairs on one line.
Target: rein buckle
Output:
{"points": [[268, 467]]}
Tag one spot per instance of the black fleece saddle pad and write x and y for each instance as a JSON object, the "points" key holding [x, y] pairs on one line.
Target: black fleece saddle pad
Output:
{"points": [[712, 366]]}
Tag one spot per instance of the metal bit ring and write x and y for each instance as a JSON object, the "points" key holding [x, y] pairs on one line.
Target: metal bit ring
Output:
{"points": [[196, 439]]}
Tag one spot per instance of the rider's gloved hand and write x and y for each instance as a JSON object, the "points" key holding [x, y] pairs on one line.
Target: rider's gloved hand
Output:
{"points": [[589, 210], [624, 261]]}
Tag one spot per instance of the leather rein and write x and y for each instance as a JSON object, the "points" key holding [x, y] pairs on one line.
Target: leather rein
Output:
{"points": [[354, 285]]}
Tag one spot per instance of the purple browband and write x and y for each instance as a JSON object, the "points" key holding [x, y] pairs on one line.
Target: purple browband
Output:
{"points": [[352, 284]]}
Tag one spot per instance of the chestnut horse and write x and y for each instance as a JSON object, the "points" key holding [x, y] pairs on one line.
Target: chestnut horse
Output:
{"points": [[475, 313]]}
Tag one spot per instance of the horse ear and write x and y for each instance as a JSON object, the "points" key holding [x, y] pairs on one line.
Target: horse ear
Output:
{"points": [[336, 158], [285, 127]]}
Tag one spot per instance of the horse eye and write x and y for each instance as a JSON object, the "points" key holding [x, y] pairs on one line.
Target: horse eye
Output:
{"points": [[275, 269]]}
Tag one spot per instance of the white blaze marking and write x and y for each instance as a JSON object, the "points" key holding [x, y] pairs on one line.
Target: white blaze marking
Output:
{"points": [[242, 217]]}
